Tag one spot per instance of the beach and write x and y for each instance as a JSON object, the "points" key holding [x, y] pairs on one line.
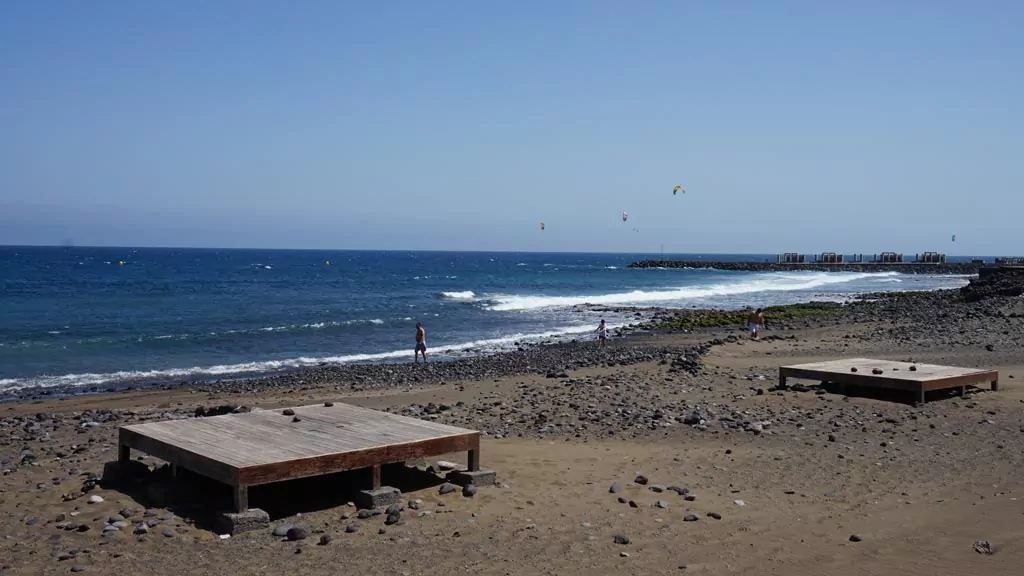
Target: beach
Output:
{"points": [[799, 480]]}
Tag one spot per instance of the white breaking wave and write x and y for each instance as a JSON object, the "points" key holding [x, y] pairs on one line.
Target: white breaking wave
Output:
{"points": [[201, 372], [775, 282], [464, 295]]}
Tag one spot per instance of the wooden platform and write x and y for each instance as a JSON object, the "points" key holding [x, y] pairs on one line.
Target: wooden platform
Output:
{"points": [[242, 450], [895, 375]]}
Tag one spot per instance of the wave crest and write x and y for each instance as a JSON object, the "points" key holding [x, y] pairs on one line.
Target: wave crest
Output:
{"points": [[463, 295]]}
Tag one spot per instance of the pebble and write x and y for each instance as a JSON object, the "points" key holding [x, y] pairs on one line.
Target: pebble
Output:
{"points": [[615, 488], [624, 554], [739, 502], [469, 490], [329, 404], [641, 480], [715, 515], [622, 500], [296, 419], [447, 488], [392, 519], [297, 533], [621, 539], [661, 504], [168, 533], [78, 568], [351, 529], [656, 489], [633, 504], [855, 538], [691, 518], [95, 499], [325, 539], [415, 504], [984, 547], [141, 530], [282, 530], [365, 514], [288, 412]]}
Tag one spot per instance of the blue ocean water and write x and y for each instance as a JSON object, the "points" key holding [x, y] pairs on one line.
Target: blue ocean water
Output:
{"points": [[78, 316]]}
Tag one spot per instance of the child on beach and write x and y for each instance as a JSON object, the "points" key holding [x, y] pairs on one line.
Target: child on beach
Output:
{"points": [[602, 333]]}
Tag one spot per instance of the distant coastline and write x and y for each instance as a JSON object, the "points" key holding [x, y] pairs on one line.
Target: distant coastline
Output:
{"points": [[946, 268]]}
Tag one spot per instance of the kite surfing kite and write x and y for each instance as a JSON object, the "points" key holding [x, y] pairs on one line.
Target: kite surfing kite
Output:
{"points": [[541, 225], [677, 189], [625, 216], [954, 237]]}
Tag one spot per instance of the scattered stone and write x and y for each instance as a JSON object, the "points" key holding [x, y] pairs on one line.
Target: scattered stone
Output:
{"points": [[297, 533], [325, 539], [690, 497], [615, 488], [661, 504], [913, 368], [296, 419], [739, 502], [365, 514], [288, 412], [691, 518], [393, 518], [855, 538], [447, 488], [853, 369], [623, 500], [329, 405], [168, 533], [633, 504], [141, 530], [78, 568], [351, 529], [621, 539], [656, 489], [715, 515], [984, 547], [469, 490], [641, 480], [95, 499], [624, 554], [116, 518], [282, 530]]}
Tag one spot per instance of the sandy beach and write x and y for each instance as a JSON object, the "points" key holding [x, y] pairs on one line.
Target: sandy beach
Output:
{"points": [[796, 481]]}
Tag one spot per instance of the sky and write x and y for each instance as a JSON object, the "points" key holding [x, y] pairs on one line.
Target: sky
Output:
{"points": [[793, 126]]}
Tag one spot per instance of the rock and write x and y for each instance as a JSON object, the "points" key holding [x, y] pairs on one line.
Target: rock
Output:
{"points": [[990, 347], [288, 412], [621, 539], [469, 490], [447, 488], [853, 369], [690, 497], [661, 504], [328, 405], [984, 547], [297, 533], [876, 371], [855, 538], [325, 539], [365, 514], [415, 505], [913, 368], [351, 529], [656, 489], [95, 499], [394, 509], [116, 518], [691, 518], [715, 515], [624, 554], [831, 437], [393, 519], [633, 504], [739, 502], [678, 490], [622, 500], [282, 530], [296, 419], [168, 533], [78, 568], [616, 487], [641, 480], [141, 530]]}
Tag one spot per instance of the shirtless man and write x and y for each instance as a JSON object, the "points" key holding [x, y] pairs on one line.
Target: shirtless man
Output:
{"points": [[421, 343], [754, 322]]}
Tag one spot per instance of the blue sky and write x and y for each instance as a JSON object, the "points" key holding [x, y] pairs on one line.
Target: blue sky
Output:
{"points": [[803, 126]]}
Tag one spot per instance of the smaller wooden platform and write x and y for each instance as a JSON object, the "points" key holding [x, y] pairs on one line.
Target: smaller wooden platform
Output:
{"points": [[895, 375], [243, 450]]}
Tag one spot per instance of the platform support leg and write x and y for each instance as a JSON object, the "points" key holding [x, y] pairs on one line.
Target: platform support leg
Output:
{"points": [[241, 498], [124, 453], [921, 396], [995, 385], [473, 458], [174, 471], [782, 381], [375, 477], [963, 391]]}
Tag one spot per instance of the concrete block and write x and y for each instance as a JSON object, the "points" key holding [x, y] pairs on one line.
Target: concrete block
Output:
{"points": [[483, 477], [384, 496], [236, 523]]}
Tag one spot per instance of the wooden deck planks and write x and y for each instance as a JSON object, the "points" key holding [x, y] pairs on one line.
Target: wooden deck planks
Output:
{"points": [[895, 375], [267, 446]]}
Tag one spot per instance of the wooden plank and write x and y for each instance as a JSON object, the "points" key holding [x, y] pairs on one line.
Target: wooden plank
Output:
{"points": [[895, 375], [174, 454], [330, 463]]}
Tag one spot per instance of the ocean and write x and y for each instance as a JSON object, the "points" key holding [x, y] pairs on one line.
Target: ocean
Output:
{"points": [[103, 316]]}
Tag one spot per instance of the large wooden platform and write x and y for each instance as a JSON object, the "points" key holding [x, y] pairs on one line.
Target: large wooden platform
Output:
{"points": [[894, 375], [253, 448]]}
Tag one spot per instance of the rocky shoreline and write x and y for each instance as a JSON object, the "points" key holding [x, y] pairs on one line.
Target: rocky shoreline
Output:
{"points": [[949, 268]]}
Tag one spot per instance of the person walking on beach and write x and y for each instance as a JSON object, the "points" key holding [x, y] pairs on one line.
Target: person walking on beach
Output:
{"points": [[421, 343], [602, 333], [754, 322]]}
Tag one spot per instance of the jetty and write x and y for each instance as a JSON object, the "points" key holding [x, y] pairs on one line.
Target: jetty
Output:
{"points": [[923, 263]]}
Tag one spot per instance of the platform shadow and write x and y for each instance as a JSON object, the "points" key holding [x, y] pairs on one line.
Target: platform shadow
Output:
{"points": [[891, 395], [200, 500]]}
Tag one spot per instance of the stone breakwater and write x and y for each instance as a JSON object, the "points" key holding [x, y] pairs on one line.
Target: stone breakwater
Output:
{"points": [[904, 268]]}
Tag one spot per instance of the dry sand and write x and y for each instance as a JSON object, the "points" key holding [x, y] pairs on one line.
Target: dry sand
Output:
{"points": [[918, 485]]}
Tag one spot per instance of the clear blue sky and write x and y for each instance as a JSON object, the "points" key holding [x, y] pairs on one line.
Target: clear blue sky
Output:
{"points": [[802, 126]]}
